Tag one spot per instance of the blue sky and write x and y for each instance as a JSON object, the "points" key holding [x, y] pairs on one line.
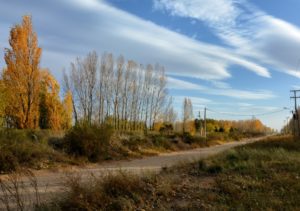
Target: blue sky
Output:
{"points": [[236, 57]]}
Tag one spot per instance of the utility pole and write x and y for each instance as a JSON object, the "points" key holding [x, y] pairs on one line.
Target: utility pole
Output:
{"points": [[287, 125], [294, 125], [295, 114], [205, 123], [200, 125]]}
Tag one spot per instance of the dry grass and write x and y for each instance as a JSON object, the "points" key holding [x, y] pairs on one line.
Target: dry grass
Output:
{"points": [[259, 176], [30, 149], [19, 191], [41, 149], [32, 156]]}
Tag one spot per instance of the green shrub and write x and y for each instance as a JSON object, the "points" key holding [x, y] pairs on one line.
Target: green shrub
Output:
{"points": [[25, 148], [133, 141], [199, 140], [161, 141], [166, 129], [235, 135], [56, 143], [8, 162], [216, 136], [187, 138], [214, 169], [91, 141]]}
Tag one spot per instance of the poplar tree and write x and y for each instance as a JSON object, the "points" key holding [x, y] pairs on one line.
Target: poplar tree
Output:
{"points": [[21, 77]]}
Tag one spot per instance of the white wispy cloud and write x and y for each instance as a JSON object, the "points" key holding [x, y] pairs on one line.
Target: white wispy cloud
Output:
{"points": [[94, 24], [243, 94], [178, 100], [263, 39], [213, 11], [221, 84], [220, 89], [176, 84]]}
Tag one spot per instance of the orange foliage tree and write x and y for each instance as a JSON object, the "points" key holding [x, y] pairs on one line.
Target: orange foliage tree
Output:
{"points": [[68, 110], [54, 114], [31, 94], [50, 105], [190, 127], [21, 77], [2, 102]]}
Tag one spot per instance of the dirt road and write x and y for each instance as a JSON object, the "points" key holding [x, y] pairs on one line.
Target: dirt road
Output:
{"points": [[50, 182]]}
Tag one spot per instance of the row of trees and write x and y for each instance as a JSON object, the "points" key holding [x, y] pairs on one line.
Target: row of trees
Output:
{"points": [[29, 95], [123, 93], [252, 126], [243, 126], [191, 125]]}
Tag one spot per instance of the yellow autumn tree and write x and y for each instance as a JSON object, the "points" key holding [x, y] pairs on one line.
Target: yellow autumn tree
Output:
{"points": [[257, 126], [21, 76], [190, 127], [67, 111], [54, 114], [158, 125], [51, 108], [3, 102]]}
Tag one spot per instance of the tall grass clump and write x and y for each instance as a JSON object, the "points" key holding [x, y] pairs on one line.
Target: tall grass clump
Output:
{"points": [[90, 141], [118, 191], [25, 148]]}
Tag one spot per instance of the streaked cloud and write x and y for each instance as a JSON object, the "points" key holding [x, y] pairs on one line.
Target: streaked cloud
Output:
{"points": [[212, 11], [220, 89], [264, 40], [96, 25]]}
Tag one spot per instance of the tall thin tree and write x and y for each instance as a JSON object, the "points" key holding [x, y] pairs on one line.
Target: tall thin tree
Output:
{"points": [[21, 77]]}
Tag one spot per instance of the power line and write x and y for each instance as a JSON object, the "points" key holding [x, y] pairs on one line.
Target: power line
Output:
{"points": [[227, 113], [247, 115], [269, 113]]}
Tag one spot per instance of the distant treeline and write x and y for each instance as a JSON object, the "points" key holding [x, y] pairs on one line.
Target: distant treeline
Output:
{"points": [[196, 126]]}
